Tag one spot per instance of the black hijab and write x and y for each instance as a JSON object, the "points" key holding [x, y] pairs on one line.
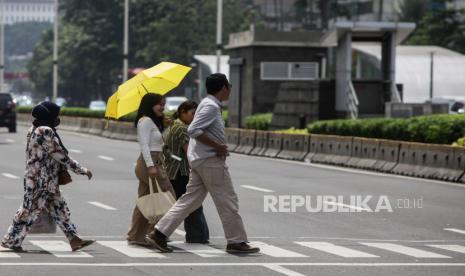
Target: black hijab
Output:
{"points": [[46, 114]]}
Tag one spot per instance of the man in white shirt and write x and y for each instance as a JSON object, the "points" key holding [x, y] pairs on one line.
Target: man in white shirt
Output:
{"points": [[209, 173]]}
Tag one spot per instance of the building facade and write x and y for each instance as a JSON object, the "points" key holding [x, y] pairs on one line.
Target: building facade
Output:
{"points": [[16, 11]]}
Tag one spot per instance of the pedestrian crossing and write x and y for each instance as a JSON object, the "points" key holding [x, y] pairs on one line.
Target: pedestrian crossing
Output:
{"points": [[296, 249]]}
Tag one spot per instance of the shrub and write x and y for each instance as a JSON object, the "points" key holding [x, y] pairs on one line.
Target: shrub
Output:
{"points": [[259, 121], [292, 130], [439, 129]]}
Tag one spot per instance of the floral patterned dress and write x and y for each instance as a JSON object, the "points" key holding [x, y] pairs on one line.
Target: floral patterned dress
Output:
{"points": [[45, 157]]}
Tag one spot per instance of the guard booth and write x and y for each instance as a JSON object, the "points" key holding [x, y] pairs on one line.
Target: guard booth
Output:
{"points": [[366, 98], [303, 77]]}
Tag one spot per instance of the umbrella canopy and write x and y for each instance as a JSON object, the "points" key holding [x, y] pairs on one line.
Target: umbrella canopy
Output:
{"points": [[159, 79]]}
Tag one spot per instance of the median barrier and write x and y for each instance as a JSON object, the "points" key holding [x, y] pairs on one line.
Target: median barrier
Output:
{"points": [[96, 126], [408, 159], [388, 155], [275, 143], [261, 142], [355, 153], [339, 150], [232, 136], [295, 146], [368, 154], [317, 148], [459, 162], [330, 149], [246, 141], [437, 162]]}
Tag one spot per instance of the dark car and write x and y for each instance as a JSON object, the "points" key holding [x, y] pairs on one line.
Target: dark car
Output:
{"points": [[7, 112]]}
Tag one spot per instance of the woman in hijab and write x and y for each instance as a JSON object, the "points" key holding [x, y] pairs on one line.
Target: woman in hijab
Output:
{"points": [[46, 158]]}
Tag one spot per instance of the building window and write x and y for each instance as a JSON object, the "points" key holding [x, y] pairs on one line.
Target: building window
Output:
{"points": [[289, 70]]}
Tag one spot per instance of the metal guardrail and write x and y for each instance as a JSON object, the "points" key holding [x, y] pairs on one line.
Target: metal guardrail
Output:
{"points": [[352, 102]]}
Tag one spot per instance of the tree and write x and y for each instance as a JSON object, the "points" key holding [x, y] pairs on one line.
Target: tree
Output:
{"points": [[91, 38], [442, 28]]}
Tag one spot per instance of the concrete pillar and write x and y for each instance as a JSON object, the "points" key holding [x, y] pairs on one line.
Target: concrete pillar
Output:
{"points": [[236, 118], [343, 70], [388, 59]]}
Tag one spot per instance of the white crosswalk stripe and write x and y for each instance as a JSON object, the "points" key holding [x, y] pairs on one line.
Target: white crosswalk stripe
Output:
{"points": [[450, 247], [199, 249], [60, 249], [6, 253], [337, 250], [405, 250], [275, 251], [131, 251]]}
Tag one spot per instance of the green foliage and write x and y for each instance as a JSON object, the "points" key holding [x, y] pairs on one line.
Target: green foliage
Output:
{"points": [[225, 115], [91, 36], [441, 28], [459, 143], [439, 129], [292, 130], [259, 121]]}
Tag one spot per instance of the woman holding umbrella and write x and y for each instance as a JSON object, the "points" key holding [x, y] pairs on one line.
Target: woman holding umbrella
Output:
{"points": [[150, 124]]}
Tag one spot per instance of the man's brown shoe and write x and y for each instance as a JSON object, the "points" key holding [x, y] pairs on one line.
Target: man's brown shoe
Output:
{"points": [[242, 247], [78, 243], [159, 241]]}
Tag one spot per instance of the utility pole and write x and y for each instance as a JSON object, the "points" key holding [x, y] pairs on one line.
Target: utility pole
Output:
{"points": [[126, 40], [2, 44], [219, 32], [55, 54], [431, 78]]}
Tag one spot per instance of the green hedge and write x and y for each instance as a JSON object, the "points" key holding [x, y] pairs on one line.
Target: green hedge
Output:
{"points": [[292, 130], [438, 129], [259, 121], [460, 142]]}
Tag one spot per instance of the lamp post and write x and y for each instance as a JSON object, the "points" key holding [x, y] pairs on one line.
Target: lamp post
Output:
{"points": [[2, 60], [431, 73], [126, 40], [219, 30], [55, 54]]}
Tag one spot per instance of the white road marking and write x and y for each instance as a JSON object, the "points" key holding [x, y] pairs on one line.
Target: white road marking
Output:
{"points": [[9, 140], [275, 251], [101, 205], [9, 175], [131, 251], [200, 264], [75, 151], [106, 158], [283, 270], [200, 249], [257, 189], [337, 250], [180, 232], [450, 247], [346, 205], [405, 250], [455, 230], [7, 253], [60, 249]]}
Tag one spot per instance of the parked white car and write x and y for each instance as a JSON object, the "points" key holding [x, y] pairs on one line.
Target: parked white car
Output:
{"points": [[97, 105], [172, 103]]}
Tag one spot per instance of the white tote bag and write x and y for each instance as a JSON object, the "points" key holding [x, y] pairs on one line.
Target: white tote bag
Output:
{"points": [[155, 205]]}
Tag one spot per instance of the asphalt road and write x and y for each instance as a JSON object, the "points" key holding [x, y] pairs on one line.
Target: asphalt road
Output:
{"points": [[419, 229]]}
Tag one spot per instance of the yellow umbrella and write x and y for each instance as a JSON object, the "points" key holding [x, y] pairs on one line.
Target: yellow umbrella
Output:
{"points": [[159, 79]]}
